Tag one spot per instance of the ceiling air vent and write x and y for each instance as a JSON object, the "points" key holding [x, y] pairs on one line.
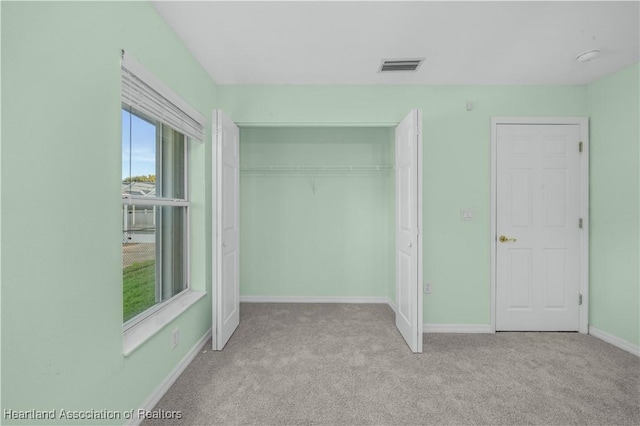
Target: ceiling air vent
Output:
{"points": [[388, 65]]}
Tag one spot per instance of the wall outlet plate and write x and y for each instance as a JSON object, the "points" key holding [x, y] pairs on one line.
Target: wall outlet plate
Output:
{"points": [[466, 215], [427, 288], [175, 338]]}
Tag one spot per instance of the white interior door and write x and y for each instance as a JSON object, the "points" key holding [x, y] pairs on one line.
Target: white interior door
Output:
{"points": [[538, 227], [408, 167], [227, 211]]}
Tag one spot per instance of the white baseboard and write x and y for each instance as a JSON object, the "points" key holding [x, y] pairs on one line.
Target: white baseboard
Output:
{"points": [[615, 341], [164, 386], [427, 328], [456, 328], [392, 305], [313, 299]]}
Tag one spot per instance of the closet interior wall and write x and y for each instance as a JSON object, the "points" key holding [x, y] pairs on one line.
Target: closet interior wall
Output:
{"points": [[317, 212]]}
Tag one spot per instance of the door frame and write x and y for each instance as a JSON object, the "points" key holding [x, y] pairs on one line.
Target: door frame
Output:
{"points": [[420, 259], [214, 231], [583, 272], [215, 207]]}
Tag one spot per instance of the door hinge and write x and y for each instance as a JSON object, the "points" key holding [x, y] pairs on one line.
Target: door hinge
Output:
{"points": [[580, 147], [580, 223], [579, 298]]}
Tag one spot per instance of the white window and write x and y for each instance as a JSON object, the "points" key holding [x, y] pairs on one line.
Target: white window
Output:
{"points": [[155, 214], [156, 128]]}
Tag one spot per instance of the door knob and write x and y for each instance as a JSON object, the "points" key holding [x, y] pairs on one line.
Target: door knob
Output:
{"points": [[504, 239], [410, 245]]}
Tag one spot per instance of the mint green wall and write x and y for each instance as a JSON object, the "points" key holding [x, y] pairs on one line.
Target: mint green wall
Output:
{"points": [[61, 224], [334, 242], [615, 198], [456, 163], [60, 160]]}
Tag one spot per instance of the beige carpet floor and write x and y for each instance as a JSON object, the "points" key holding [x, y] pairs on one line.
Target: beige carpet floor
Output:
{"points": [[347, 364]]}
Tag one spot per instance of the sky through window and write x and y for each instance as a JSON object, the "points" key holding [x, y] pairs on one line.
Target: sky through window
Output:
{"points": [[138, 146]]}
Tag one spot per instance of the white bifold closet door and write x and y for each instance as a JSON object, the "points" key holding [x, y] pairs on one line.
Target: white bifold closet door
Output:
{"points": [[226, 273], [408, 171], [408, 166]]}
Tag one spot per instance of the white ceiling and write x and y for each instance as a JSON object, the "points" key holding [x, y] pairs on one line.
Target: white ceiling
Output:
{"points": [[331, 42]]}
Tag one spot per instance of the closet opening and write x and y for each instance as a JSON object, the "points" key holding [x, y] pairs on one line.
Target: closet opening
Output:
{"points": [[317, 214]]}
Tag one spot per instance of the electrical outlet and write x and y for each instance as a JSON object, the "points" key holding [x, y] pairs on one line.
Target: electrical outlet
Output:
{"points": [[427, 288], [175, 338], [466, 214]]}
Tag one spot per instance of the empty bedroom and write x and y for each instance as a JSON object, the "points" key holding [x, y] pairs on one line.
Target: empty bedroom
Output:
{"points": [[320, 212]]}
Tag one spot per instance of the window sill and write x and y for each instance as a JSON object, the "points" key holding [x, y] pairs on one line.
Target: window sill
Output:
{"points": [[134, 337]]}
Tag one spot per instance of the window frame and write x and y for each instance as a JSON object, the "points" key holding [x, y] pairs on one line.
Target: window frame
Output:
{"points": [[158, 101], [129, 200]]}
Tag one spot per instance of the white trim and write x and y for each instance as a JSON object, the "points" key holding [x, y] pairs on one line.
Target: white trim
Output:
{"points": [[216, 294], [154, 201], [457, 328], [615, 341], [315, 299], [164, 386], [584, 213], [392, 305], [139, 333], [583, 122], [214, 228], [492, 236], [420, 253]]}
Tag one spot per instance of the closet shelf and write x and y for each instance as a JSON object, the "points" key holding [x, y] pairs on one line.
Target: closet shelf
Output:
{"points": [[315, 170]]}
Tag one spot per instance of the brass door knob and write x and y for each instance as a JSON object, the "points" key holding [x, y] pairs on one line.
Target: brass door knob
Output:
{"points": [[504, 239]]}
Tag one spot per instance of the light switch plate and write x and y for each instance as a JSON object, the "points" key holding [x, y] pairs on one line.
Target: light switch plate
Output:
{"points": [[466, 215]]}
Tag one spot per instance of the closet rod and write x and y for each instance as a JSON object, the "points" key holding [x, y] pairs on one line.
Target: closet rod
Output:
{"points": [[273, 168]]}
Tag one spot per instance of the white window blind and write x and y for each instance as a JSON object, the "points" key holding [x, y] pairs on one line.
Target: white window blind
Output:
{"points": [[144, 92]]}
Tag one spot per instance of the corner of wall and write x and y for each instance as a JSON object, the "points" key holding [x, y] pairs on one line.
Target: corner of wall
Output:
{"points": [[613, 106]]}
